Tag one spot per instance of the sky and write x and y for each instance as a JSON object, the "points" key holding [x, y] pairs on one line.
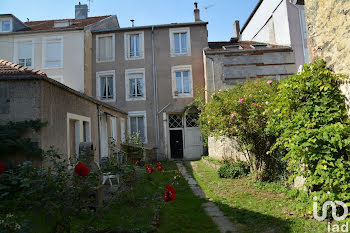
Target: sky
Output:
{"points": [[220, 14]]}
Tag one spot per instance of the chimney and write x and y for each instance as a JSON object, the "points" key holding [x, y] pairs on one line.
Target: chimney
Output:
{"points": [[196, 13], [132, 22], [237, 29], [81, 11]]}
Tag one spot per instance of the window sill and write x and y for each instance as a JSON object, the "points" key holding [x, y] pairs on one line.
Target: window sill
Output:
{"points": [[180, 54], [102, 61], [107, 100], [135, 98], [51, 67], [183, 96]]}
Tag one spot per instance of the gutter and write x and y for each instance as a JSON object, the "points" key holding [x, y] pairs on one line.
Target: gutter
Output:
{"points": [[248, 51], [155, 96]]}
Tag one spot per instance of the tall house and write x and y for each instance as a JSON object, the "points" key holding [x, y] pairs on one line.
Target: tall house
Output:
{"points": [[279, 22], [61, 48], [153, 72]]}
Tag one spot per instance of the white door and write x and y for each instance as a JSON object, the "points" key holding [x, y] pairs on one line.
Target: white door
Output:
{"points": [[104, 138], [193, 143], [193, 146]]}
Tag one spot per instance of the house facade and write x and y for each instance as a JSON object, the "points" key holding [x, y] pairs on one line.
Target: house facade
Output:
{"points": [[72, 116], [153, 73], [279, 22], [48, 45]]}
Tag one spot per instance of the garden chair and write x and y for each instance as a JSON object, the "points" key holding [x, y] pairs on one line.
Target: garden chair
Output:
{"points": [[107, 176]]}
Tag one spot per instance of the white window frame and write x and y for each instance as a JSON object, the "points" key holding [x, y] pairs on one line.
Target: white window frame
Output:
{"points": [[15, 50], [6, 19], [79, 134], [44, 43], [182, 68], [127, 45], [98, 89], [58, 78], [172, 31], [129, 72], [138, 114], [98, 49]]}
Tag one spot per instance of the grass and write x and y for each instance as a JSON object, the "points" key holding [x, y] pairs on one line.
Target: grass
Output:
{"points": [[250, 208], [212, 160], [134, 210]]}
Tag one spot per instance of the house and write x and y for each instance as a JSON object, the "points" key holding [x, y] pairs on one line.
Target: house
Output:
{"points": [[279, 22], [73, 117], [153, 72], [48, 45]]}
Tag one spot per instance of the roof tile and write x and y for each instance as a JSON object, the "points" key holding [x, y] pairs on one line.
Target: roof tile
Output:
{"points": [[11, 69]]}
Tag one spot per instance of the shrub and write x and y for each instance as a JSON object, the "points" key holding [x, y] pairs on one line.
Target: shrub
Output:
{"points": [[309, 117], [234, 170], [239, 113]]}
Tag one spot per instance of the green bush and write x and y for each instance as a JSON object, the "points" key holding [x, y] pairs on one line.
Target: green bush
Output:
{"points": [[239, 114], [309, 117], [234, 170]]}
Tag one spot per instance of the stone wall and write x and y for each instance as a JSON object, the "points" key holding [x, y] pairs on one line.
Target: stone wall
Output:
{"points": [[328, 23], [224, 148]]}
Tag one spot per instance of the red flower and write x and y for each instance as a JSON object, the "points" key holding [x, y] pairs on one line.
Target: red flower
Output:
{"points": [[81, 170], [2, 167], [159, 166], [169, 194], [149, 169]]}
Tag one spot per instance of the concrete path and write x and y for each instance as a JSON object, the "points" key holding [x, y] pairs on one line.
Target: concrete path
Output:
{"points": [[222, 221]]}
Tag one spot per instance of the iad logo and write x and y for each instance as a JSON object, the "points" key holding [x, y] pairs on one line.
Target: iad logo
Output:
{"points": [[334, 227]]}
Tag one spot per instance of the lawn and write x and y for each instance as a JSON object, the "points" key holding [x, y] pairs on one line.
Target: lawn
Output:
{"points": [[249, 208], [136, 210]]}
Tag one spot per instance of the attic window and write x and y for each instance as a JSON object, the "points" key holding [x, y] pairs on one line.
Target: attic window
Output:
{"points": [[258, 46], [62, 23], [231, 47]]}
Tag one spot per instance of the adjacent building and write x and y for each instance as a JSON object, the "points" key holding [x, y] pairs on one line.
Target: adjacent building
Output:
{"points": [[61, 48], [72, 116], [153, 72], [279, 22]]}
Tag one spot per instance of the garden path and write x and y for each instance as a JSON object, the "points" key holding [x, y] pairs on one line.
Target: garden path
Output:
{"points": [[222, 221]]}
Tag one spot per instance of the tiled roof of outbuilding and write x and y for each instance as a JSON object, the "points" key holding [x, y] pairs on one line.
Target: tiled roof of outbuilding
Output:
{"points": [[245, 45], [9, 68]]}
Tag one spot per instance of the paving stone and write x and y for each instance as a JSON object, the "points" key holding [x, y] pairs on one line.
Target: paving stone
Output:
{"points": [[223, 222]]}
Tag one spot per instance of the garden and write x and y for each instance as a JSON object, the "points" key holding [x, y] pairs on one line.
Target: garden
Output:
{"points": [[294, 129]]}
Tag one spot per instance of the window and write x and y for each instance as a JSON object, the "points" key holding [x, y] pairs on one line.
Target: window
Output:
{"points": [[138, 125], [53, 52], [105, 85], [134, 45], [24, 52], [182, 81], [180, 41], [135, 84], [5, 25], [105, 48]]}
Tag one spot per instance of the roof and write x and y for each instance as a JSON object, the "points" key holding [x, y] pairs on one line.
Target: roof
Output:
{"points": [[46, 25], [13, 71], [8, 69], [244, 46], [170, 25]]}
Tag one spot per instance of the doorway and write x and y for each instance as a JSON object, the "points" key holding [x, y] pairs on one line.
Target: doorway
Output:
{"points": [[176, 144]]}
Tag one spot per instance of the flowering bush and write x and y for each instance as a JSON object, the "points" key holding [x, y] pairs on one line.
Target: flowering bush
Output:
{"points": [[239, 113], [54, 189], [309, 116]]}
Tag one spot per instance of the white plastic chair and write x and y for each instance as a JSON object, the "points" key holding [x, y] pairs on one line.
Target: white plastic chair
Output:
{"points": [[108, 176]]}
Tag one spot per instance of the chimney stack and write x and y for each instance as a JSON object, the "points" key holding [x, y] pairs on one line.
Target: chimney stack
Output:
{"points": [[81, 11], [196, 13], [237, 29], [132, 22]]}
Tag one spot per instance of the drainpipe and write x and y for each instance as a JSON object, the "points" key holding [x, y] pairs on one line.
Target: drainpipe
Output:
{"points": [[155, 97], [99, 131], [212, 69]]}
